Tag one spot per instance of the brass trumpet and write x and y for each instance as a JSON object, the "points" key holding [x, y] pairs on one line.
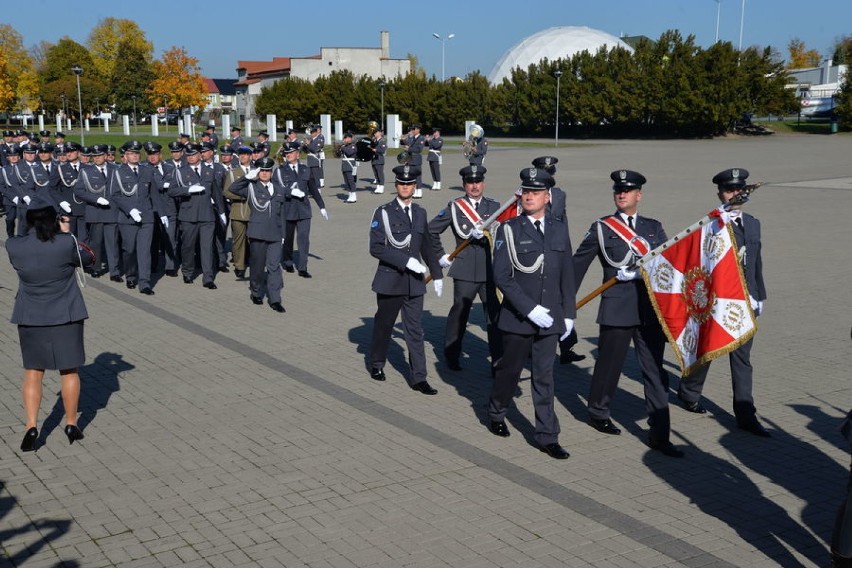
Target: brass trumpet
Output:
{"points": [[469, 145]]}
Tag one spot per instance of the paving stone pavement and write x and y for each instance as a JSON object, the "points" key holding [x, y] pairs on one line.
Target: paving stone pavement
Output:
{"points": [[219, 433]]}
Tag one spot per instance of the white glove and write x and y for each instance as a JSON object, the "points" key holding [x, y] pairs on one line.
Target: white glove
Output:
{"points": [[439, 287], [324, 214], [27, 199], [223, 218], [252, 174], [100, 201], [15, 200], [626, 274], [540, 316], [569, 327], [165, 221], [756, 305], [296, 192], [476, 233], [166, 185], [196, 188], [415, 266], [65, 206], [445, 261], [136, 215]]}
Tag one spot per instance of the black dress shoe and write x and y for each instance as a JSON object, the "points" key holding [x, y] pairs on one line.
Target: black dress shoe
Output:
{"points": [[305, 274], [499, 428], [73, 433], [131, 285], [555, 451], [97, 274], [695, 407], [210, 285], [116, 279], [424, 387], [754, 427], [29, 442], [147, 291], [377, 374], [240, 274], [277, 307], [187, 280], [224, 269], [290, 269], [171, 273], [666, 448], [255, 300], [570, 357], [606, 426]]}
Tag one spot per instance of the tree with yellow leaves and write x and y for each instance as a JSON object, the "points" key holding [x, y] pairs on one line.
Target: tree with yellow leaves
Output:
{"points": [[105, 38], [7, 95], [800, 56], [178, 79], [17, 65]]}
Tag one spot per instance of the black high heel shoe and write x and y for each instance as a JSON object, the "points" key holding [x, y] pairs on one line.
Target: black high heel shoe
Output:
{"points": [[73, 433], [29, 442]]}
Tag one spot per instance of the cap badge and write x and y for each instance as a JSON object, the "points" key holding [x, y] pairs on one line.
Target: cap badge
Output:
{"points": [[533, 173], [547, 161], [735, 173], [405, 170], [622, 175], [473, 169]]}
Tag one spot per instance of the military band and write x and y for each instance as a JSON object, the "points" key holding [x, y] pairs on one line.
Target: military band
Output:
{"points": [[380, 148]]}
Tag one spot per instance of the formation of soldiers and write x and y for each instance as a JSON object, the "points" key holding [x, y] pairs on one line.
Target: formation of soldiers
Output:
{"points": [[530, 261], [138, 215]]}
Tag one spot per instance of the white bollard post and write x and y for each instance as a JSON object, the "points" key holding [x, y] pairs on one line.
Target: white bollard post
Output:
{"points": [[155, 125], [106, 124], [87, 125], [125, 124], [394, 132], [325, 122], [272, 127], [41, 123], [288, 126], [226, 127], [247, 129], [59, 123], [338, 131]]}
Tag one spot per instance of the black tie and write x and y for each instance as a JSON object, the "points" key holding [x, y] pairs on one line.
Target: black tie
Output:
{"points": [[739, 222], [75, 167], [538, 228], [47, 167], [630, 221], [103, 171], [407, 213], [476, 206], [135, 171], [197, 171], [295, 171]]}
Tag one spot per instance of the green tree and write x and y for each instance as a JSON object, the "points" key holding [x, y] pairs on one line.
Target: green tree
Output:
{"points": [[843, 110], [131, 77], [290, 99], [841, 53], [106, 37], [57, 79]]}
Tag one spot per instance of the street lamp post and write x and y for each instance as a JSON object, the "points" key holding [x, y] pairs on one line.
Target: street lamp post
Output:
{"points": [[64, 108], [742, 21], [443, 43], [166, 107], [134, 113], [558, 75], [382, 85], [79, 71], [718, 9]]}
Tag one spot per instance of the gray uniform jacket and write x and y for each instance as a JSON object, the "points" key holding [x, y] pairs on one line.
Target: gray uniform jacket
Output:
{"points": [[89, 187], [48, 293], [133, 191], [435, 145], [392, 278], [164, 205], [266, 222], [479, 152], [18, 182], [64, 180], [381, 147], [296, 208], [415, 148], [347, 158], [750, 258], [471, 264], [551, 286], [41, 178], [557, 203], [314, 147], [197, 207], [625, 304]]}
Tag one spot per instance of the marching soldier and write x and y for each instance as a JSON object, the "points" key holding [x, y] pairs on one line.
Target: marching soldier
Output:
{"points": [[208, 155], [534, 270], [297, 210], [477, 157], [263, 143], [747, 233], [59, 140], [380, 148], [398, 239], [349, 167], [236, 139], [93, 188], [625, 312], [211, 131], [14, 176], [136, 216], [415, 146], [176, 152], [162, 176], [200, 206], [435, 160], [240, 212], [66, 175], [558, 209], [471, 269], [315, 148], [265, 199]]}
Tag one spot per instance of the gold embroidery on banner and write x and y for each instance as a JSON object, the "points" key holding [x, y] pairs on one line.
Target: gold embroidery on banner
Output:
{"points": [[714, 246], [733, 318], [698, 295], [664, 278]]}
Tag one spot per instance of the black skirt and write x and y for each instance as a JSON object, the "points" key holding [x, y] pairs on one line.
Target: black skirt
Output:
{"points": [[52, 346]]}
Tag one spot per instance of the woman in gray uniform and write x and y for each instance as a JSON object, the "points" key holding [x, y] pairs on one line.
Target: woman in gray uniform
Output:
{"points": [[49, 311]]}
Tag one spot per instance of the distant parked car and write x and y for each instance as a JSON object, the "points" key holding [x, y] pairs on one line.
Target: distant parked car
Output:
{"points": [[20, 118], [170, 118]]}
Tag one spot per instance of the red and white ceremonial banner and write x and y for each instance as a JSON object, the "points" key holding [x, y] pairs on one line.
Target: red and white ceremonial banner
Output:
{"points": [[698, 290]]}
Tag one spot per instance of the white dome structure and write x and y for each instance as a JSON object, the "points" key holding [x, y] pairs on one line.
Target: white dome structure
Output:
{"points": [[552, 43]]}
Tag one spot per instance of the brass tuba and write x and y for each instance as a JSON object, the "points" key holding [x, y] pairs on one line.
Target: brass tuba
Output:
{"points": [[469, 145], [372, 126]]}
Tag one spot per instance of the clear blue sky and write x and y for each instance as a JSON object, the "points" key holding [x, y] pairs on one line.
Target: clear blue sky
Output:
{"points": [[220, 33]]}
